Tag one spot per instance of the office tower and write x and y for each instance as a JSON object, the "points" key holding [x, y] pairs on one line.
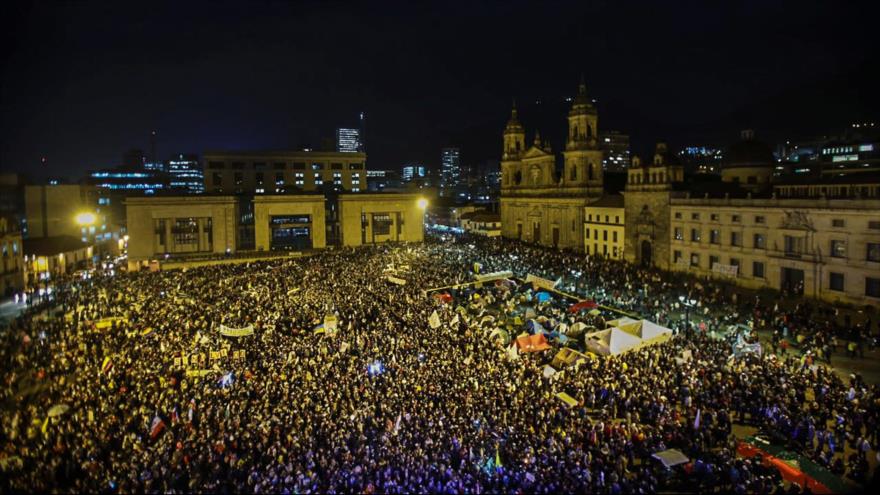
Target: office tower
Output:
{"points": [[348, 140], [185, 174], [450, 171], [615, 148], [413, 171]]}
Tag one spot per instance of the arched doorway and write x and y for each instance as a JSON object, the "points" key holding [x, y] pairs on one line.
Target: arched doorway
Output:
{"points": [[646, 253]]}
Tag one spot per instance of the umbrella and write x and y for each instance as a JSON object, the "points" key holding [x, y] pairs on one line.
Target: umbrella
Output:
{"points": [[58, 410], [582, 305], [444, 297], [595, 312]]}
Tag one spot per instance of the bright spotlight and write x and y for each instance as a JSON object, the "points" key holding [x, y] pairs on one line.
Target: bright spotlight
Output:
{"points": [[85, 218], [423, 203]]}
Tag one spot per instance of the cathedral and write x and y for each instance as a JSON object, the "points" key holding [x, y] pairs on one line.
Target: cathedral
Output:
{"points": [[540, 204]]}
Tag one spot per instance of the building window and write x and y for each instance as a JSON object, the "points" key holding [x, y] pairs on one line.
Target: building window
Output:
{"points": [[381, 224], [874, 224], [605, 235], [695, 235], [695, 259], [617, 219], [239, 177], [317, 166], [299, 166], [734, 218], [838, 223], [216, 165], [695, 216], [336, 166], [715, 236], [759, 219], [217, 179], [735, 262], [185, 231], [872, 287], [838, 249], [678, 215], [714, 217], [676, 256], [279, 178], [590, 218], [679, 235], [758, 269], [759, 241], [278, 166], [835, 281], [318, 180], [713, 260], [588, 234], [873, 251], [259, 178], [735, 239], [614, 236]]}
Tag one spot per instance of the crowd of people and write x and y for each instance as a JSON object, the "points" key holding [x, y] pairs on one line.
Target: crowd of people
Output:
{"points": [[130, 385]]}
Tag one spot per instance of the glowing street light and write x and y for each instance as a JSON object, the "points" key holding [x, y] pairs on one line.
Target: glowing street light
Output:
{"points": [[423, 203], [85, 218]]}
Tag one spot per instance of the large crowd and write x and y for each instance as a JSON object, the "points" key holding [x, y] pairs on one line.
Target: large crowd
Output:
{"points": [[157, 399]]}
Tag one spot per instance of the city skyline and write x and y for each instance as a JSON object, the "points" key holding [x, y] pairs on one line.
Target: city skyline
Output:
{"points": [[681, 74]]}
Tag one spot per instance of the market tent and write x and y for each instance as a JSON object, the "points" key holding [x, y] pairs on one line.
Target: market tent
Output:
{"points": [[611, 341], [532, 343], [534, 326], [577, 327]]}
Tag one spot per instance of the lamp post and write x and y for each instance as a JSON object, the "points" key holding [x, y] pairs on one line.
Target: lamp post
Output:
{"points": [[688, 304]]}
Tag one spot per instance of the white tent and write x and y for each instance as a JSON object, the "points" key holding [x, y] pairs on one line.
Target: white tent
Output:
{"points": [[645, 330], [611, 341], [620, 322]]}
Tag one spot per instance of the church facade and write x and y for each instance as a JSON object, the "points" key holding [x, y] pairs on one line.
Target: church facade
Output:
{"points": [[540, 204]]}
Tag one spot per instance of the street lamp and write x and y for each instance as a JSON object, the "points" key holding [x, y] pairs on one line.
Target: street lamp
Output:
{"points": [[688, 304], [422, 203], [85, 219]]}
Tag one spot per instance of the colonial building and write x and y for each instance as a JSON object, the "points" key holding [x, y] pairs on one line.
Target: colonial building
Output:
{"points": [[646, 200], [604, 227], [538, 203]]}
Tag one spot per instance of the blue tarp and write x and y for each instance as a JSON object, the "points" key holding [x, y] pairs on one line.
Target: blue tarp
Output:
{"points": [[533, 326], [542, 296]]}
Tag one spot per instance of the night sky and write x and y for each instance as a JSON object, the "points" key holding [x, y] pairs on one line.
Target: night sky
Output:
{"points": [[84, 81]]}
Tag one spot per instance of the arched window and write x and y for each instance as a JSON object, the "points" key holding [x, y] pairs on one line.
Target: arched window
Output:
{"points": [[574, 133], [518, 144], [589, 130], [574, 172], [517, 177], [590, 169]]}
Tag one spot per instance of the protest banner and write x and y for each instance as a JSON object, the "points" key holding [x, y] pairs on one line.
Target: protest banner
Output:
{"points": [[540, 283], [395, 280], [236, 332]]}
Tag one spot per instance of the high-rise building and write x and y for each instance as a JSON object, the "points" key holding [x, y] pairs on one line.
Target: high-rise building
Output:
{"points": [[348, 140], [450, 171], [185, 174], [701, 159], [615, 149], [413, 171]]}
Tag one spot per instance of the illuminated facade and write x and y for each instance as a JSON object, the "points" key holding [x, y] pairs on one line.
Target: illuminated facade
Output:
{"points": [[273, 172], [538, 204], [185, 174], [11, 258]]}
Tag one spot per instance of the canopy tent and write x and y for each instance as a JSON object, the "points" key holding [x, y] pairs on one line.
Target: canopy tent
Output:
{"points": [[567, 356], [670, 457], [532, 343], [624, 320], [534, 326], [611, 341], [577, 327], [645, 330], [582, 305], [542, 297]]}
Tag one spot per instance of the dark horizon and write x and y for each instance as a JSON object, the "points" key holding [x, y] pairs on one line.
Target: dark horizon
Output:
{"points": [[84, 82]]}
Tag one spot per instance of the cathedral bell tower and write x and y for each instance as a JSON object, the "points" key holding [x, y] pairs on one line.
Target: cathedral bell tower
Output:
{"points": [[514, 148], [583, 159]]}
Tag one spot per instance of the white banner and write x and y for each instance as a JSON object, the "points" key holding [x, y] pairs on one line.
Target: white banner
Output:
{"points": [[236, 332], [488, 277], [395, 280], [537, 282], [728, 270]]}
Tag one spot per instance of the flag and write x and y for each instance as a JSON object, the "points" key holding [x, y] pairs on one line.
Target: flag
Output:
{"points": [[497, 457], [45, 427], [697, 420], [318, 329], [157, 427], [107, 365], [434, 320]]}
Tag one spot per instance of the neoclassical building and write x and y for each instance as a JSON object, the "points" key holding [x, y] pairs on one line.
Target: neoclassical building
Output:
{"points": [[538, 203]]}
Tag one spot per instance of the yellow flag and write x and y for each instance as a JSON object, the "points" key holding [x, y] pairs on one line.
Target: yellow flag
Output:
{"points": [[45, 425]]}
